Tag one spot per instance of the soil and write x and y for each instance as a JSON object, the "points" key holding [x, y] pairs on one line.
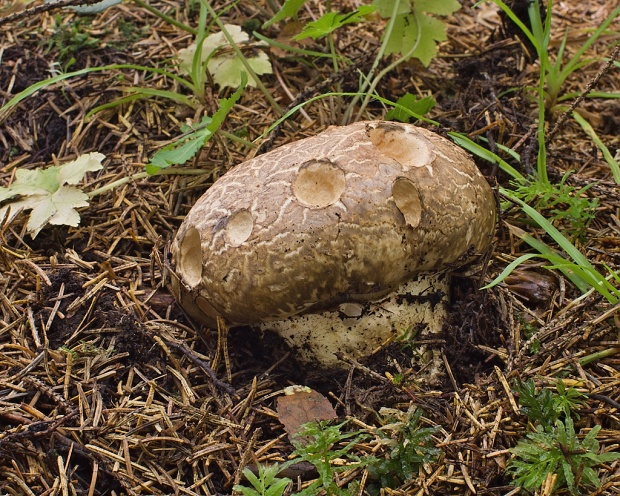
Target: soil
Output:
{"points": [[107, 387]]}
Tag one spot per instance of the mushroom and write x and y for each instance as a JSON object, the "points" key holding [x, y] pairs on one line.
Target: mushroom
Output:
{"points": [[338, 242]]}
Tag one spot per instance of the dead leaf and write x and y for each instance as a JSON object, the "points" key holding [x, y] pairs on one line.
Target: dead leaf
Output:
{"points": [[288, 31], [223, 63], [301, 405], [44, 192]]}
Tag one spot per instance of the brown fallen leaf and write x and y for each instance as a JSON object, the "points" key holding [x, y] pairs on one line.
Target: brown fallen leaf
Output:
{"points": [[532, 287], [285, 37], [301, 405]]}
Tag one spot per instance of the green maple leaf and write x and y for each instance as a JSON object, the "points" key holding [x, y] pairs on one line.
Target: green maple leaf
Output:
{"points": [[44, 192], [415, 31]]}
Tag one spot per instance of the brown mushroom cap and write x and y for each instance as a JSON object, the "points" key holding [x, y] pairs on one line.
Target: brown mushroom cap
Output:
{"points": [[344, 216]]}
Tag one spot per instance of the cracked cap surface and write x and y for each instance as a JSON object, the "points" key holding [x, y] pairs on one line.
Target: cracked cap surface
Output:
{"points": [[344, 216]]}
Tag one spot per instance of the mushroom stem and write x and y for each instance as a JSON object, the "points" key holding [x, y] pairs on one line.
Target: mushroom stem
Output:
{"points": [[413, 315]]}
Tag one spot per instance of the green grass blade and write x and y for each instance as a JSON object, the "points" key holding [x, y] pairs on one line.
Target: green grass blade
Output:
{"points": [[613, 273], [114, 103], [549, 228], [507, 10], [292, 49], [593, 278], [541, 31], [570, 66], [385, 101], [515, 155], [32, 89], [150, 92], [592, 94], [570, 249], [480, 151], [509, 268], [614, 165], [166, 18], [551, 255]]}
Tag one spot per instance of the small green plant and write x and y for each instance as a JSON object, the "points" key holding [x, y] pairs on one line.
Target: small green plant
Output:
{"points": [[555, 72], [266, 483], [331, 21], [184, 148], [545, 407], [528, 329], [129, 34], [565, 203], [71, 38], [409, 447], [419, 106], [318, 444], [558, 451], [554, 449]]}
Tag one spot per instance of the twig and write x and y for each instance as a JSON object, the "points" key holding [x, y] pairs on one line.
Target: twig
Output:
{"points": [[203, 365], [45, 7], [354, 363]]}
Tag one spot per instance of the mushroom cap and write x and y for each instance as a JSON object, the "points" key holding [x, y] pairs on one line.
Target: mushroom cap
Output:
{"points": [[344, 216]]}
